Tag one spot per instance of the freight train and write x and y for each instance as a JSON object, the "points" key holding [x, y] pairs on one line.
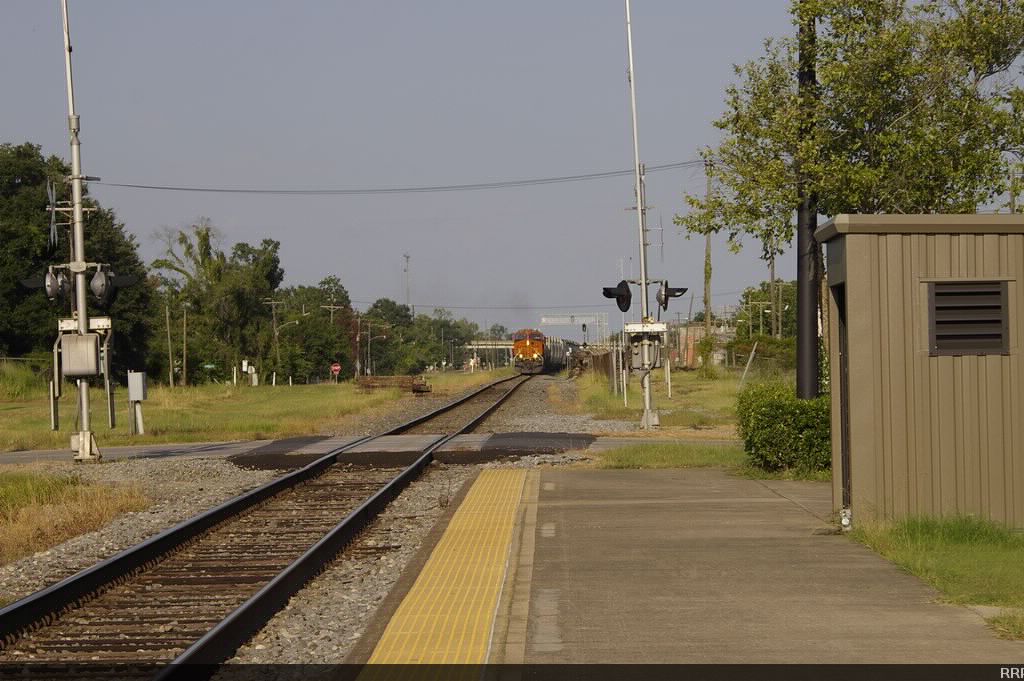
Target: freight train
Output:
{"points": [[533, 352]]}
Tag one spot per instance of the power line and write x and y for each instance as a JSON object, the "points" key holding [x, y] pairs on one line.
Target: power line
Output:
{"points": [[368, 191], [522, 307]]}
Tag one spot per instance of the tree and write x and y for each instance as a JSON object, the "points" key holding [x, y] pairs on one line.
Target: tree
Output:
{"points": [[27, 318], [757, 304], [911, 111], [225, 295]]}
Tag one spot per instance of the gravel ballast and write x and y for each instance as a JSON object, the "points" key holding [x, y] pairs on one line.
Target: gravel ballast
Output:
{"points": [[529, 410], [325, 620], [179, 488]]}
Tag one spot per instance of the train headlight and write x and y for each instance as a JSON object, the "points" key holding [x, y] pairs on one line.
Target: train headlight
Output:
{"points": [[536, 356]]}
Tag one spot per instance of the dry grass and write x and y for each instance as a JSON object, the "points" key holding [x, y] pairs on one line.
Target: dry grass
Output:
{"points": [[1009, 625], [40, 509]]}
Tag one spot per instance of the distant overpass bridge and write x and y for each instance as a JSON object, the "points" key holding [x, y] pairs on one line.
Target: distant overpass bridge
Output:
{"points": [[494, 351]]}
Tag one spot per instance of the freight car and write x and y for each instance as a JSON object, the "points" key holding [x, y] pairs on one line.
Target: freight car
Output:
{"points": [[533, 352]]}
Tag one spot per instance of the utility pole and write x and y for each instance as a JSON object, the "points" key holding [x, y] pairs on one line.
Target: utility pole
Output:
{"points": [[184, 344], [332, 307], [273, 312], [650, 417], [1013, 189], [408, 302], [170, 347], [359, 355]]}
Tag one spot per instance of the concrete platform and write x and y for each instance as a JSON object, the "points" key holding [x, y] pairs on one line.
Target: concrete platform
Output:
{"points": [[697, 566]]}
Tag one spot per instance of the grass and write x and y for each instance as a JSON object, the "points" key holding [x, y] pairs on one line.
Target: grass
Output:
{"points": [[40, 509], [19, 382], [754, 473], [208, 412], [696, 403], [971, 561], [682, 455]]}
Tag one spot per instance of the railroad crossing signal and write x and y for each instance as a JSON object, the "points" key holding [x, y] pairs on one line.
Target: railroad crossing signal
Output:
{"points": [[621, 293], [665, 292]]}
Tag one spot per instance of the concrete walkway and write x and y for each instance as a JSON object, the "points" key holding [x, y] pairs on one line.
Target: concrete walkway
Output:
{"points": [[696, 566]]}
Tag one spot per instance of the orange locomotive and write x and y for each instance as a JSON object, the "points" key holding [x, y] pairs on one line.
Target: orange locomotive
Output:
{"points": [[534, 353]]}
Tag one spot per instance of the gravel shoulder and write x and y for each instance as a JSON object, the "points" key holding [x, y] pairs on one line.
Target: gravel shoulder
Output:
{"points": [[179, 489], [536, 408]]}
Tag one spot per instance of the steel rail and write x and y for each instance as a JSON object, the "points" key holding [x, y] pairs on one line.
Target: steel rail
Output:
{"points": [[221, 642], [45, 605]]}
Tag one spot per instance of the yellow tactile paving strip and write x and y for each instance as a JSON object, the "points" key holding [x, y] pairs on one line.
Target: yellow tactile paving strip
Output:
{"points": [[448, 615]]}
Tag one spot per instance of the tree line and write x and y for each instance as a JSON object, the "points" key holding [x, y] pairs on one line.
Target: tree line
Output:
{"points": [[203, 307]]}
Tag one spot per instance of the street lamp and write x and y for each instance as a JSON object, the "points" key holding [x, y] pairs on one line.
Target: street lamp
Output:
{"points": [[277, 341], [369, 341]]}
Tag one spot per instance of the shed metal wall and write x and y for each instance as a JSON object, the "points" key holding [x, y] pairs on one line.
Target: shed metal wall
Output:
{"points": [[930, 435]]}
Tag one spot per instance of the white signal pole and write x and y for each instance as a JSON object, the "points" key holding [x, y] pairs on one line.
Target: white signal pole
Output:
{"points": [[87, 450], [650, 417]]}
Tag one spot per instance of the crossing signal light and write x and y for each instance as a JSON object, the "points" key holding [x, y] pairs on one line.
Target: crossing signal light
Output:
{"points": [[665, 292], [621, 293]]}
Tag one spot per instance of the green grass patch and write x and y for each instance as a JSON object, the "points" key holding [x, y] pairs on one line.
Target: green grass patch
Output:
{"points": [[696, 403], [970, 561], [18, 382], [682, 455], [755, 473]]}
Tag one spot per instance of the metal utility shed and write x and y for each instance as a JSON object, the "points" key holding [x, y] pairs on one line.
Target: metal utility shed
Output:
{"points": [[927, 317]]}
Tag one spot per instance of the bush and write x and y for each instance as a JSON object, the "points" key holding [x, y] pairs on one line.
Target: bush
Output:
{"points": [[781, 432]]}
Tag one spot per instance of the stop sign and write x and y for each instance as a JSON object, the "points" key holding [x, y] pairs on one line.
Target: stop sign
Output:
{"points": [[335, 368]]}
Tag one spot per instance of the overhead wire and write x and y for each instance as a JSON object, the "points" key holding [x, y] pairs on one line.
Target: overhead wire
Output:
{"points": [[525, 307], [422, 189]]}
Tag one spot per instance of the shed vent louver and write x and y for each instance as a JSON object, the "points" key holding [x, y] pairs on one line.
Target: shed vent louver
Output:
{"points": [[968, 318]]}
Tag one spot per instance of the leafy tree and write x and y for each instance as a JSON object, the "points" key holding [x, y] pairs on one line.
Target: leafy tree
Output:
{"points": [[225, 296], [756, 308], [497, 332], [27, 318], [913, 114], [310, 342]]}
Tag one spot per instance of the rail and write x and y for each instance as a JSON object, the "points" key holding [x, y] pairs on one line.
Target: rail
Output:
{"points": [[222, 640]]}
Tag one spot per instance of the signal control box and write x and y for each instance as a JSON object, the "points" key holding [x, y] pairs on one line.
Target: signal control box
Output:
{"points": [[654, 333]]}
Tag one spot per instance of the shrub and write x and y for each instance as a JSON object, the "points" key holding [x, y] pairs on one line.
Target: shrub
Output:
{"points": [[781, 432]]}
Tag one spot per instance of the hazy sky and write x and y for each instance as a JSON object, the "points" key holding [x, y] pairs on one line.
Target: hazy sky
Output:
{"points": [[322, 95]]}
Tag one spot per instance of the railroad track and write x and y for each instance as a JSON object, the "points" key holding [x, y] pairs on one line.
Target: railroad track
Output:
{"points": [[196, 592]]}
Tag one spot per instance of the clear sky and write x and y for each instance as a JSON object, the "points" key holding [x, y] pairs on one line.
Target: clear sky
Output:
{"points": [[370, 93]]}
